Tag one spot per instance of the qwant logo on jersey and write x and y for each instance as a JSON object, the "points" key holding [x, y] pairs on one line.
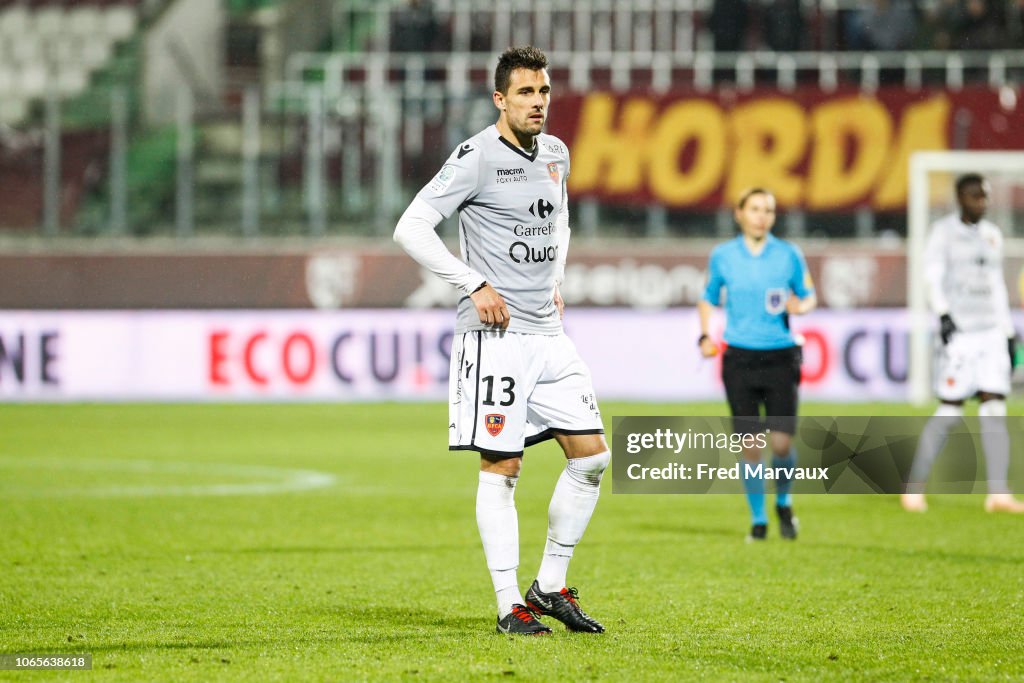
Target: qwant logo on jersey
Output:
{"points": [[494, 422]]}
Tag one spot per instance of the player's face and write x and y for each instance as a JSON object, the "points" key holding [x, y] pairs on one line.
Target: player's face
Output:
{"points": [[525, 105], [757, 215], [974, 202]]}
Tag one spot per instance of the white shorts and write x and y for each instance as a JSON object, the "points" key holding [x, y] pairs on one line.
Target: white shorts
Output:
{"points": [[973, 362], [509, 390]]}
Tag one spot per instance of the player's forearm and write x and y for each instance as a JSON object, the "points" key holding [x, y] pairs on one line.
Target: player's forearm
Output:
{"points": [[934, 274], [563, 233], [416, 234], [1001, 304], [704, 311]]}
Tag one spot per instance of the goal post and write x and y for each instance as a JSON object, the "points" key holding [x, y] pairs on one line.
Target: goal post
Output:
{"points": [[922, 199]]}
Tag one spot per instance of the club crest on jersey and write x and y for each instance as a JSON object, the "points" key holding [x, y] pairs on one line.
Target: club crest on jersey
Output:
{"points": [[775, 301], [553, 172], [494, 422]]}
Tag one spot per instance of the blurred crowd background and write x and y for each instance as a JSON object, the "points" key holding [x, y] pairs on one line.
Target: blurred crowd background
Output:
{"points": [[322, 117]]}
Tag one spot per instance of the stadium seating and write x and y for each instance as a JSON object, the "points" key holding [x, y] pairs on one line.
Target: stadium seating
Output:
{"points": [[51, 46]]}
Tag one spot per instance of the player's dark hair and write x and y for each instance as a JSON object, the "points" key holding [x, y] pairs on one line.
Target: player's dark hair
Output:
{"points": [[526, 57], [968, 179], [750, 193]]}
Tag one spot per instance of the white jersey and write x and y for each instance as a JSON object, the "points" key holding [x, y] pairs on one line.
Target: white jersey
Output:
{"points": [[964, 273], [512, 213]]}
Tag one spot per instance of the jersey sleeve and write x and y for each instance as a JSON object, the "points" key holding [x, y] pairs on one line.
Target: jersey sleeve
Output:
{"points": [[415, 232], [801, 282], [716, 279], [456, 182], [935, 269]]}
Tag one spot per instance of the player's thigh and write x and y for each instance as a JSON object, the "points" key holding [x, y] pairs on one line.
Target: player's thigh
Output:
{"points": [[992, 363], [488, 385], [956, 367], [563, 399]]}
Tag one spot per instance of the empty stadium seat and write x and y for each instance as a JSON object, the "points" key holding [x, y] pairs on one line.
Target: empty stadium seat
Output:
{"points": [[12, 109], [120, 21], [84, 21], [69, 40]]}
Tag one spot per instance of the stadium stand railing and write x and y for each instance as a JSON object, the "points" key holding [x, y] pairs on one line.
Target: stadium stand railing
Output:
{"points": [[347, 133]]}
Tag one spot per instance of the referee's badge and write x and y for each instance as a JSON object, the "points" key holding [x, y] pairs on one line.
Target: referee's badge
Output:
{"points": [[495, 423], [553, 172], [775, 301]]}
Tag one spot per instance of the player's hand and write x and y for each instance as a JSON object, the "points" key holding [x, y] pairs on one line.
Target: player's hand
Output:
{"points": [[946, 328], [1011, 344], [793, 305], [559, 304], [490, 307], [708, 348]]}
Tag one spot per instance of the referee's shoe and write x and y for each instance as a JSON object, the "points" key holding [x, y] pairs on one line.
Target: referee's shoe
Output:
{"points": [[564, 606], [788, 524]]}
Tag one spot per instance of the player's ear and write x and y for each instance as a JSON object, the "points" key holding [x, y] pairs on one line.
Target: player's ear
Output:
{"points": [[499, 100]]}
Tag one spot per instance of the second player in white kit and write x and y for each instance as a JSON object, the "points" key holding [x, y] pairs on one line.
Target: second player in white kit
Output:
{"points": [[516, 379], [966, 289]]}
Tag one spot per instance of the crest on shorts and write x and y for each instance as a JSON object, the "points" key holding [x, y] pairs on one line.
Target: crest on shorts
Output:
{"points": [[553, 172], [494, 422]]}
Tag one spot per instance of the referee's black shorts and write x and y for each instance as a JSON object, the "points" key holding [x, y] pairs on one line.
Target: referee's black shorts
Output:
{"points": [[755, 377]]}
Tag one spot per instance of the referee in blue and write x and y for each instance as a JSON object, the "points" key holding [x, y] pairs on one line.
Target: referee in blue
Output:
{"points": [[764, 281]]}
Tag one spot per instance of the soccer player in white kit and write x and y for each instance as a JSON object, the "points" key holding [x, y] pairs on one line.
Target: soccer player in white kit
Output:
{"points": [[516, 378], [966, 289]]}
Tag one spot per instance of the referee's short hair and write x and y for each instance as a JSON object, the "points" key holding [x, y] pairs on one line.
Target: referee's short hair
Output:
{"points": [[968, 179], [747, 194]]}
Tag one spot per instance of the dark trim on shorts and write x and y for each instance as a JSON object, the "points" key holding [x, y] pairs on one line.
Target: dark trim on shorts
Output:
{"points": [[530, 441], [486, 451], [476, 392], [551, 431]]}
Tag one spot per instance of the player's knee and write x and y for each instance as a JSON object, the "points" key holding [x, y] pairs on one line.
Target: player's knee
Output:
{"points": [[993, 407], [588, 470], [508, 467]]}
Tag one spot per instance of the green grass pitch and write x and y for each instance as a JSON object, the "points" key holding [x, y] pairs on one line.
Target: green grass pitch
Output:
{"points": [[181, 542]]}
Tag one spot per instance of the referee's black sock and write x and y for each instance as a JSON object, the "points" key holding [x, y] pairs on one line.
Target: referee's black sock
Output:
{"points": [[783, 483]]}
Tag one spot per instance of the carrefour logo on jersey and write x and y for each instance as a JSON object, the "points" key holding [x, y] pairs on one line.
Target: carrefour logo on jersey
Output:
{"points": [[534, 230]]}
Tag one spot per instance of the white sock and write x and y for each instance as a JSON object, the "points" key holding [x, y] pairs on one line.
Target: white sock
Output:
{"points": [[996, 441], [933, 438], [568, 515], [499, 530]]}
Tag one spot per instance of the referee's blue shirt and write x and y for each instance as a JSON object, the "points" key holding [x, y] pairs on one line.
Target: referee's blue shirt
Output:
{"points": [[756, 289]]}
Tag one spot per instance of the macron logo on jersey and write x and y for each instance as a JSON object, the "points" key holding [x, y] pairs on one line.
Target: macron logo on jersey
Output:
{"points": [[464, 150], [511, 175]]}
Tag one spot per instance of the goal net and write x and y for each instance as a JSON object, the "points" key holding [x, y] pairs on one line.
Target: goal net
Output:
{"points": [[931, 196]]}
